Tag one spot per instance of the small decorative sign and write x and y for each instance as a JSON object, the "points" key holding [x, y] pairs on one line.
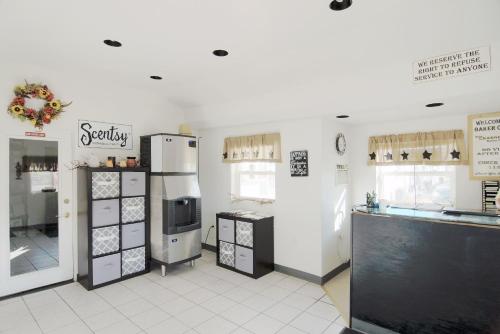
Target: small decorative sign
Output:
{"points": [[342, 175], [104, 135], [299, 163], [452, 65], [35, 134], [484, 146], [490, 191]]}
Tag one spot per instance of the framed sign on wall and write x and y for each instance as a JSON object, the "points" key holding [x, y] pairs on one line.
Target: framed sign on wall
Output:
{"points": [[484, 146], [299, 163], [104, 135]]}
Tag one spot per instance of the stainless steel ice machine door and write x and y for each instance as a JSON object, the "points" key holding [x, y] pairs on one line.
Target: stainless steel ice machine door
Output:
{"points": [[179, 154]]}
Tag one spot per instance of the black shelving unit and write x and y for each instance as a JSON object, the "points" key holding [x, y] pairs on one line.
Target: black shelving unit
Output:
{"points": [[113, 225], [245, 245]]}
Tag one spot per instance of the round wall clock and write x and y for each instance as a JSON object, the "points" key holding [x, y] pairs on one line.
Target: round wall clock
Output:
{"points": [[340, 144]]}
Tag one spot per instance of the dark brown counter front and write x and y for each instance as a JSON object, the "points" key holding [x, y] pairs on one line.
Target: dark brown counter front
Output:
{"points": [[414, 275]]}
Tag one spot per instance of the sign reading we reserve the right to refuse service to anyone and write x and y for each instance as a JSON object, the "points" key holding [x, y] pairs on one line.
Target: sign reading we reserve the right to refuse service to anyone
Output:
{"points": [[451, 65], [484, 146]]}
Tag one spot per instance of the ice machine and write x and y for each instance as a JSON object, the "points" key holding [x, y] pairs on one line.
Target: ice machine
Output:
{"points": [[175, 198]]}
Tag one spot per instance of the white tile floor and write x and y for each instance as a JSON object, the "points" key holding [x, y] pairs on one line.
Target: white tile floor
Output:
{"points": [[204, 299], [32, 250]]}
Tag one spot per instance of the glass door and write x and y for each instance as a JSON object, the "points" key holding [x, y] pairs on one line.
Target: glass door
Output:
{"points": [[39, 231]]}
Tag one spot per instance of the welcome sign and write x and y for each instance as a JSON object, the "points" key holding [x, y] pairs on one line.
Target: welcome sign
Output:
{"points": [[484, 146], [452, 65], [104, 135]]}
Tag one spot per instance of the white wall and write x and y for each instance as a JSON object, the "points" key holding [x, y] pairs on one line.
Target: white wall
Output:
{"points": [[94, 98], [468, 192], [336, 201], [297, 209], [305, 208]]}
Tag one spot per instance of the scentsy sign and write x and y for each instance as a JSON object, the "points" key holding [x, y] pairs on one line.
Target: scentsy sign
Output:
{"points": [[104, 135], [452, 65]]}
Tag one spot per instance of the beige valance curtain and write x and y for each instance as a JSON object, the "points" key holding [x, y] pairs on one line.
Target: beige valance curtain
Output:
{"points": [[265, 147], [437, 148]]}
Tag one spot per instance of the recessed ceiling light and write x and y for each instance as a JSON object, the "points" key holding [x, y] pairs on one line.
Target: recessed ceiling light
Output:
{"points": [[112, 43], [340, 4], [220, 53], [343, 116], [156, 77], [432, 105]]}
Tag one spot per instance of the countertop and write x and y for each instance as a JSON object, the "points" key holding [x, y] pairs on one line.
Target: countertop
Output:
{"points": [[476, 218]]}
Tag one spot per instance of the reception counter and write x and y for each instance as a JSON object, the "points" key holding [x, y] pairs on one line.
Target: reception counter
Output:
{"points": [[425, 272]]}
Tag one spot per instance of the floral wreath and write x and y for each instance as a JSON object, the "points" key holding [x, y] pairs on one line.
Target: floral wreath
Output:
{"points": [[49, 112]]}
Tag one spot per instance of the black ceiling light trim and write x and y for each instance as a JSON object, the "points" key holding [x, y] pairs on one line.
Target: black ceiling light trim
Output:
{"points": [[220, 53], [433, 105], [343, 116], [340, 4], [156, 77], [112, 43]]}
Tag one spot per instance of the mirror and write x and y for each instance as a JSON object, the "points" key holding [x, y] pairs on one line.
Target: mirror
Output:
{"points": [[33, 205]]}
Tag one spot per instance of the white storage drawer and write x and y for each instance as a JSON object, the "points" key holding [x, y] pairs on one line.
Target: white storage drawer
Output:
{"points": [[244, 259], [105, 185], [106, 268], [133, 261], [133, 235], [133, 209], [133, 184], [105, 212], [105, 240], [244, 233], [226, 253], [226, 230]]}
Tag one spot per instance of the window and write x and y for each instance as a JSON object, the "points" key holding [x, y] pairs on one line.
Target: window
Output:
{"points": [[253, 181], [429, 186], [43, 181]]}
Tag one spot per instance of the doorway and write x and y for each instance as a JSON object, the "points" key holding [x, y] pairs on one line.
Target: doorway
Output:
{"points": [[38, 213]]}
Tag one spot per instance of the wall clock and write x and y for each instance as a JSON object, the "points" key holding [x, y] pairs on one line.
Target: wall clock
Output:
{"points": [[340, 144]]}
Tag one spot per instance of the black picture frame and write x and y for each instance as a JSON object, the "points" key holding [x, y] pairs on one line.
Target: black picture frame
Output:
{"points": [[299, 163]]}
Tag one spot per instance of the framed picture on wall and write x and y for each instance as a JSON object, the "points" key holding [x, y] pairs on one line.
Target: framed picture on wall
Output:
{"points": [[299, 163], [484, 146]]}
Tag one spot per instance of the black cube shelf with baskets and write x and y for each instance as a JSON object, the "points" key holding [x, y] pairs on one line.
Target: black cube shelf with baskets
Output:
{"points": [[113, 225], [245, 245]]}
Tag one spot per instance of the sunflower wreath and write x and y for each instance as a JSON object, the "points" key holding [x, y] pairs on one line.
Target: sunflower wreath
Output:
{"points": [[49, 112]]}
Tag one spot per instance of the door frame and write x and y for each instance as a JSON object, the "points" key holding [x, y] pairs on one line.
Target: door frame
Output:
{"points": [[66, 270]]}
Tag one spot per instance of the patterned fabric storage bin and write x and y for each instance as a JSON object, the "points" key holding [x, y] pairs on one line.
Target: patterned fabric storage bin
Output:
{"points": [[105, 240], [244, 233], [226, 253], [133, 209], [105, 185], [133, 261]]}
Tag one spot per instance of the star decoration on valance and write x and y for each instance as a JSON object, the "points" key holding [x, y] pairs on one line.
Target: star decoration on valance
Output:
{"points": [[455, 154], [427, 155], [388, 156], [224, 155], [405, 155], [372, 156]]}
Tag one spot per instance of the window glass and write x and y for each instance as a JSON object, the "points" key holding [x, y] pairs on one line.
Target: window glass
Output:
{"points": [[253, 180], [416, 186]]}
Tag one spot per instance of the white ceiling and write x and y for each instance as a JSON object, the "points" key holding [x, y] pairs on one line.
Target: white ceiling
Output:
{"points": [[288, 58]]}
